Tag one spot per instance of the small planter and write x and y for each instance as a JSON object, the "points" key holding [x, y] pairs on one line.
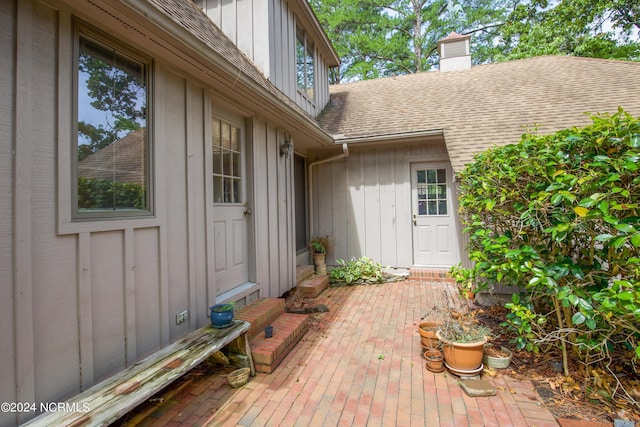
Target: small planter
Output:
{"points": [[463, 356], [239, 377], [435, 360], [497, 358], [221, 315], [427, 331]]}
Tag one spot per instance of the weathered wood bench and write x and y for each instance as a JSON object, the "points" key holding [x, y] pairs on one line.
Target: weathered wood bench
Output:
{"points": [[112, 398]]}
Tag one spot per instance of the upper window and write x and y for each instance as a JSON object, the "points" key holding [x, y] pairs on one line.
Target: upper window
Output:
{"points": [[111, 174], [227, 162], [305, 69], [432, 192]]}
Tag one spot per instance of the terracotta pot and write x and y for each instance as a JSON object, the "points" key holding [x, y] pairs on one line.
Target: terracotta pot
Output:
{"points": [[435, 360], [462, 356], [427, 331]]}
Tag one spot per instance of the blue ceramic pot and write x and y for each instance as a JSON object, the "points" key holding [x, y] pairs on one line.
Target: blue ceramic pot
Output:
{"points": [[221, 317]]}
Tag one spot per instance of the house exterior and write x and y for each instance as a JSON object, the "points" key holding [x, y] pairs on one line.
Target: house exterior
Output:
{"points": [[393, 198], [160, 156], [169, 189]]}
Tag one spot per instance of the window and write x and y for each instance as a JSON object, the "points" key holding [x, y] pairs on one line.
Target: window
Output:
{"points": [[432, 191], [305, 70], [227, 164], [110, 176]]}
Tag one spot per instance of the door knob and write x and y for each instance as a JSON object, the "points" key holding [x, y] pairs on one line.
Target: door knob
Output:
{"points": [[414, 219]]}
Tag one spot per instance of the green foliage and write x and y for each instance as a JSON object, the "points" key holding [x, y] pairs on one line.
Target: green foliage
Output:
{"points": [[104, 194], [320, 244], [558, 217], [377, 38], [228, 306], [356, 271], [572, 27]]}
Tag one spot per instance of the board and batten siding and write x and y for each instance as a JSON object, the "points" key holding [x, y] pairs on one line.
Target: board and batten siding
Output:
{"points": [[81, 301], [270, 44], [363, 202]]}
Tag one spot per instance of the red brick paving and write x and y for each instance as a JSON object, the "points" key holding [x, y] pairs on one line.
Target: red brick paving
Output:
{"points": [[358, 365]]}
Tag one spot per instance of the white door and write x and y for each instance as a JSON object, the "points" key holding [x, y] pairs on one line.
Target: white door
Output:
{"points": [[230, 210], [435, 239]]}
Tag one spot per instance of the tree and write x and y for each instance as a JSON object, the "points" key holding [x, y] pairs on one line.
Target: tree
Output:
{"points": [[377, 38], [602, 29]]}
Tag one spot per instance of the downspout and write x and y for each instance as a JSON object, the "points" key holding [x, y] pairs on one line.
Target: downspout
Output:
{"points": [[345, 153]]}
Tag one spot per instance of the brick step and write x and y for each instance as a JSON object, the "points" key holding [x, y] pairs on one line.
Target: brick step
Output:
{"points": [[313, 286], [431, 274], [260, 313], [303, 272], [288, 329]]}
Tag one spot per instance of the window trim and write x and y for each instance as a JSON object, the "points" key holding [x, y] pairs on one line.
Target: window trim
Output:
{"points": [[69, 222]]}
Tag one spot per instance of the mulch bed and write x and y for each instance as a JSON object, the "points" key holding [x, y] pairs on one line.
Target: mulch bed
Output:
{"points": [[563, 396]]}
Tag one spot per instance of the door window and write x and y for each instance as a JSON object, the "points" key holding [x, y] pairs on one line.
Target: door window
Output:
{"points": [[432, 192], [227, 167]]}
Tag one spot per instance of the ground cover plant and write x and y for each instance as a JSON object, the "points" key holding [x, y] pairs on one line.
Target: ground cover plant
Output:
{"points": [[358, 271], [558, 216]]}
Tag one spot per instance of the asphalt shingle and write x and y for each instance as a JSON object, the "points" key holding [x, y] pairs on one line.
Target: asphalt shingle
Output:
{"points": [[487, 104]]}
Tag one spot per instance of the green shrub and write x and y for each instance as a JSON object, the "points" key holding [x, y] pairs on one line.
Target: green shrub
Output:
{"points": [[557, 215], [356, 271]]}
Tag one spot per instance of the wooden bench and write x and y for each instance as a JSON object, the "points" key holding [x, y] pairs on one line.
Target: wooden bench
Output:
{"points": [[112, 398]]}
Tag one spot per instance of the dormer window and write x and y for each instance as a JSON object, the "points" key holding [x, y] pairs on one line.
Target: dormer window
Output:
{"points": [[305, 68]]}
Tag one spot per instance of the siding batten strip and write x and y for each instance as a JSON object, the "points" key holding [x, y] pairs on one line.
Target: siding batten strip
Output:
{"points": [[85, 312], [23, 306], [191, 150], [130, 296]]}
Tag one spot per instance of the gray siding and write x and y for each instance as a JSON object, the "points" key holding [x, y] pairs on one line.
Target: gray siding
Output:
{"points": [[80, 302], [270, 44], [363, 202]]}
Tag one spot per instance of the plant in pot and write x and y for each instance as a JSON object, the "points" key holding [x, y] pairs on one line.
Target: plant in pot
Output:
{"points": [[465, 279], [222, 315], [319, 246], [428, 337], [463, 343], [497, 357], [435, 360]]}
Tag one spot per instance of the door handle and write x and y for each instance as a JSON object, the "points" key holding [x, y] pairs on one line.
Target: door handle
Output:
{"points": [[414, 220], [246, 211]]}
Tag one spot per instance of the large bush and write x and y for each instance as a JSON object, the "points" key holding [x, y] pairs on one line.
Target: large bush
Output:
{"points": [[557, 215]]}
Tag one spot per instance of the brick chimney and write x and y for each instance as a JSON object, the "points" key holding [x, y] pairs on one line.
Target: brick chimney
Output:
{"points": [[454, 52]]}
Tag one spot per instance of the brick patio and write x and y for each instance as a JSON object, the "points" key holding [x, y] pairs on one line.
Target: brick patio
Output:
{"points": [[358, 365]]}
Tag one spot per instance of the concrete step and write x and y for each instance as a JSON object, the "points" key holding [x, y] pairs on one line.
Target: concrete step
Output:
{"points": [[313, 286], [303, 272], [260, 313], [288, 329]]}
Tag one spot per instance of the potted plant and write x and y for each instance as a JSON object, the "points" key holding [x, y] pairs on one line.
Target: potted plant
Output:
{"points": [[463, 343], [222, 315], [465, 279], [427, 331], [497, 357], [319, 246], [435, 360]]}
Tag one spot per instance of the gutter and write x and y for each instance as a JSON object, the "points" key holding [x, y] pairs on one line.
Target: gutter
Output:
{"points": [[345, 153], [389, 136]]}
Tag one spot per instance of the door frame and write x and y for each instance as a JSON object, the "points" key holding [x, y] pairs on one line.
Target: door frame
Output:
{"points": [[451, 209], [243, 119]]}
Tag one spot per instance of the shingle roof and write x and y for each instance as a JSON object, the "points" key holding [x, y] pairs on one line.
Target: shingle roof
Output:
{"points": [[487, 104]]}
